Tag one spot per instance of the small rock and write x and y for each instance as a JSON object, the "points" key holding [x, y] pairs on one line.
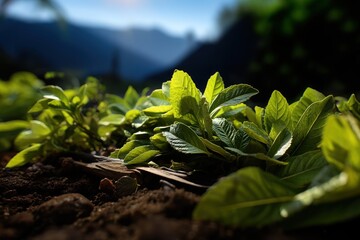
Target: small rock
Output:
{"points": [[63, 209]]}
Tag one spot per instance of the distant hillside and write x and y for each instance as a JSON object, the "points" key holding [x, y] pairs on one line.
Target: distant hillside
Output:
{"points": [[86, 51]]}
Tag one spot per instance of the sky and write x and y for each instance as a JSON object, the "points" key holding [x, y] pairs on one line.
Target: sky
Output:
{"points": [[176, 17]]}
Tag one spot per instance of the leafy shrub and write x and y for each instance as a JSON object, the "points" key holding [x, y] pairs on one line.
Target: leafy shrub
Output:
{"points": [[293, 164]]}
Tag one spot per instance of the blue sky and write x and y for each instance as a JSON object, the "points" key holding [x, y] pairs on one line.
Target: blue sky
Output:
{"points": [[177, 17]]}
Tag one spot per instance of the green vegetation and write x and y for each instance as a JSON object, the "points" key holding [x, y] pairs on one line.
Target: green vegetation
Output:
{"points": [[292, 164]]}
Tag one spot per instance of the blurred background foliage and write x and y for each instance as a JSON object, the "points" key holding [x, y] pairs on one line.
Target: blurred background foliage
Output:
{"points": [[304, 43]]}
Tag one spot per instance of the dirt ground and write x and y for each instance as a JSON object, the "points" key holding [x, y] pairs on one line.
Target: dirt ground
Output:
{"points": [[45, 201]]}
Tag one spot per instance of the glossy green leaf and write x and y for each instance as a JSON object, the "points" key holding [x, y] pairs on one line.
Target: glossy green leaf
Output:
{"points": [[184, 139], [281, 144], [55, 93], [25, 156], [131, 96], [342, 186], [127, 147], [256, 133], [225, 130], [112, 119], [140, 155], [232, 95], [40, 105], [159, 141], [213, 87], [309, 96], [249, 197], [259, 155], [308, 131], [182, 86], [302, 169], [218, 150], [277, 110], [341, 142]]}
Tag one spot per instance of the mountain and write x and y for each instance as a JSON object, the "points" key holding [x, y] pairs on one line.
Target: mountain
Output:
{"points": [[230, 55], [84, 51]]}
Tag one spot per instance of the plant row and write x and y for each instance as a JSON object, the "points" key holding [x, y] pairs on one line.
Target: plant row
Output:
{"points": [[292, 164]]}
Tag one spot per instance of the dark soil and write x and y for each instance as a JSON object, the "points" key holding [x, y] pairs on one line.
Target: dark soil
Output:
{"points": [[46, 201]]}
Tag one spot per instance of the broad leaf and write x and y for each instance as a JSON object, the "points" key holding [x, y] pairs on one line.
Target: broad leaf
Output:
{"points": [[309, 96], [277, 110], [55, 93], [112, 119], [37, 134], [260, 156], [225, 130], [324, 214], [140, 155], [256, 133], [232, 95], [131, 96], [213, 87], [127, 147], [182, 86], [157, 110], [302, 169], [25, 156], [342, 186], [341, 142], [308, 131], [281, 144], [246, 198], [218, 150], [185, 140]]}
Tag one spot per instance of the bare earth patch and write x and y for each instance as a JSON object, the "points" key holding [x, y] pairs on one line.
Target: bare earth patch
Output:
{"points": [[46, 201]]}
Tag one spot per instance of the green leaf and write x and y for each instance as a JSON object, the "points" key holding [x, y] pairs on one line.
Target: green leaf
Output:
{"points": [[324, 214], [302, 169], [141, 154], [351, 105], [112, 119], [232, 95], [341, 142], [308, 131], [342, 186], [309, 96], [25, 156], [55, 93], [277, 110], [158, 98], [157, 110], [131, 96], [260, 156], [281, 144], [40, 105], [213, 87], [159, 141], [218, 149], [189, 104], [225, 130], [184, 139], [182, 86], [37, 134], [246, 198], [127, 147], [256, 133]]}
